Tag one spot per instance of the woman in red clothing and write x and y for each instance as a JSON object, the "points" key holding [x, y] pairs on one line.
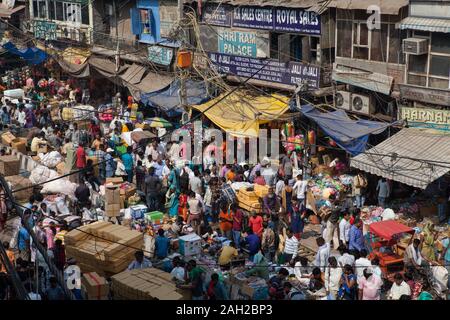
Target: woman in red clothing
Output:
{"points": [[182, 207], [256, 223]]}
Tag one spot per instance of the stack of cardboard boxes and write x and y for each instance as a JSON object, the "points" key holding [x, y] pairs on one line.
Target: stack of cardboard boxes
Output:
{"points": [[146, 284], [21, 187], [117, 182], [94, 287], [9, 166], [112, 201], [7, 138], [248, 200], [103, 247]]}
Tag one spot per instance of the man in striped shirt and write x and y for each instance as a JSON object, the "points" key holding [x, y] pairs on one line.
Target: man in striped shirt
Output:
{"points": [[290, 247]]}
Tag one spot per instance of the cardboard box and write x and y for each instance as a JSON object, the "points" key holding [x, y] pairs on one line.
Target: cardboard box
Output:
{"points": [[7, 138], [190, 245], [9, 166], [112, 210], [96, 287], [129, 190], [138, 211], [114, 180], [112, 195], [18, 182], [19, 145]]}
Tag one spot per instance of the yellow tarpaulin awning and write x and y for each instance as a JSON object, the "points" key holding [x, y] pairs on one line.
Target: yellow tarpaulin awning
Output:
{"points": [[240, 114]]}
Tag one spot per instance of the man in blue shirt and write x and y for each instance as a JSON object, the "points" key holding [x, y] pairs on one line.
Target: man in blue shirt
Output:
{"points": [[23, 243], [253, 243], [140, 261], [127, 160], [356, 239], [161, 245]]}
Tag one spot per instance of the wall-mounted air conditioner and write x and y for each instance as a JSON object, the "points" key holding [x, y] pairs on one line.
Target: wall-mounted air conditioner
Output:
{"points": [[415, 46], [363, 104], [342, 100]]}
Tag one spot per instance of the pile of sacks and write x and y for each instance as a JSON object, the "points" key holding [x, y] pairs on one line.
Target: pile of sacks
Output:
{"points": [[42, 174]]}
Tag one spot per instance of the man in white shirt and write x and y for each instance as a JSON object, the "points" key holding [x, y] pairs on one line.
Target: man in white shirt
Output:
{"points": [[279, 188], [195, 182], [333, 275], [345, 257], [178, 271], [412, 256], [344, 228], [399, 288], [361, 264], [290, 247], [323, 253], [21, 117], [300, 188]]}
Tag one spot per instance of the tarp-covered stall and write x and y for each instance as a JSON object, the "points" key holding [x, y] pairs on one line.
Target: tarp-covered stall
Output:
{"points": [[412, 156], [351, 135], [168, 99], [241, 114]]}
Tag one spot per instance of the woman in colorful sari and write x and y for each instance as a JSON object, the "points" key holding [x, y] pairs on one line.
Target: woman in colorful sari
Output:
{"points": [[429, 238], [30, 118], [172, 202]]}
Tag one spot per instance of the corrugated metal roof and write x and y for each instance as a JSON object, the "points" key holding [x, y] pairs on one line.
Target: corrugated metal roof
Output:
{"points": [[425, 24], [418, 155]]}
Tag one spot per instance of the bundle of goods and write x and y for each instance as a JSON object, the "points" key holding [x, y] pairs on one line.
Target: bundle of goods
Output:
{"points": [[78, 113], [323, 186], [94, 287], [51, 159], [146, 284], [7, 138], [252, 288], [103, 247], [42, 84], [112, 201], [405, 207], [9, 166], [295, 143], [346, 179], [248, 199]]}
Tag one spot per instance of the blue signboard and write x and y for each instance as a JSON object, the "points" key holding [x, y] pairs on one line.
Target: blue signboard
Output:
{"points": [[291, 73], [237, 43], [273, 19], [217, 15], [296, 20], [253, 17]]}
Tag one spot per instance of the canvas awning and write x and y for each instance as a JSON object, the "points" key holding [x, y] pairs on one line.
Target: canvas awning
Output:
{"points": [[364, 79], [241, 114], [425, 24], [7, 12], [105, 66], [412, 156], [350, 135], [134, 74], [152, 82], [389, 229]]}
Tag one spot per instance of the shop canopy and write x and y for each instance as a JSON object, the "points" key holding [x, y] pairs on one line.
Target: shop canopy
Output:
{"points": [[168, 99], [389, 229], [412, 156], [240, 114], [31, 55], [351, 135]]}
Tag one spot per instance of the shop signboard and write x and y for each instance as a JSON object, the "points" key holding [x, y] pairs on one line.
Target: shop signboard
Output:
{"points": [[44, 30], [426, 118], [160, 55], [264, 18], [217, 15], [239, 43], [269, 70], [427, 95]]}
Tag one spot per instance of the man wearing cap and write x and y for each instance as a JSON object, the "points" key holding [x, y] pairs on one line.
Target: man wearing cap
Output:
{"points": [[110, 164], [370, 285]]}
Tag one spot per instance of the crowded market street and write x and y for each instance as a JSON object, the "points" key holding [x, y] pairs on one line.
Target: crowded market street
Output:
{"points": [[212, 177]]}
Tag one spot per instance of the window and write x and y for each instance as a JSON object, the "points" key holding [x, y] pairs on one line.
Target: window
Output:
{"points": [[296, 48], [440, 66], [40, 9], [395, 45], [360, 41], [418, 64], [84, 14], [71, 12], [440, 43], [344, 39], [141, 21], [379, 44]]}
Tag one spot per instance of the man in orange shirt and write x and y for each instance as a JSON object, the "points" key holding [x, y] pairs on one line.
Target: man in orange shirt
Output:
{"points": [[256, 223], [226, 221]]}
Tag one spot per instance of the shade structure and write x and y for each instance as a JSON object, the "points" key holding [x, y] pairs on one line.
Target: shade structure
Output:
{"points": [[158, 123], [389, 229], [241, 114]]}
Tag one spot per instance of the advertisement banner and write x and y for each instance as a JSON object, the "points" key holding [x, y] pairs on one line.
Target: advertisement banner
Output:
{"points": [[217, 15], [426, 118], [297, 20], [253, 17], [239, 43], [291, 73], [160, 55], [44, 30]]}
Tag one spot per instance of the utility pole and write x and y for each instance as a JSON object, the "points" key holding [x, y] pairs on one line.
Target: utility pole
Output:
{"points": [[117, 55], [182, 73]]}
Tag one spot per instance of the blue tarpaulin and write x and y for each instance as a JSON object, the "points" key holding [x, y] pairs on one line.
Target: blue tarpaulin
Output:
{"points": [[351, 135], [168, 99], [32, 55]]}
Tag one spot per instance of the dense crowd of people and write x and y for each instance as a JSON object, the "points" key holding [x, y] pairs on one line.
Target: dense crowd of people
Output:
{"points": [[201, 199]]}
